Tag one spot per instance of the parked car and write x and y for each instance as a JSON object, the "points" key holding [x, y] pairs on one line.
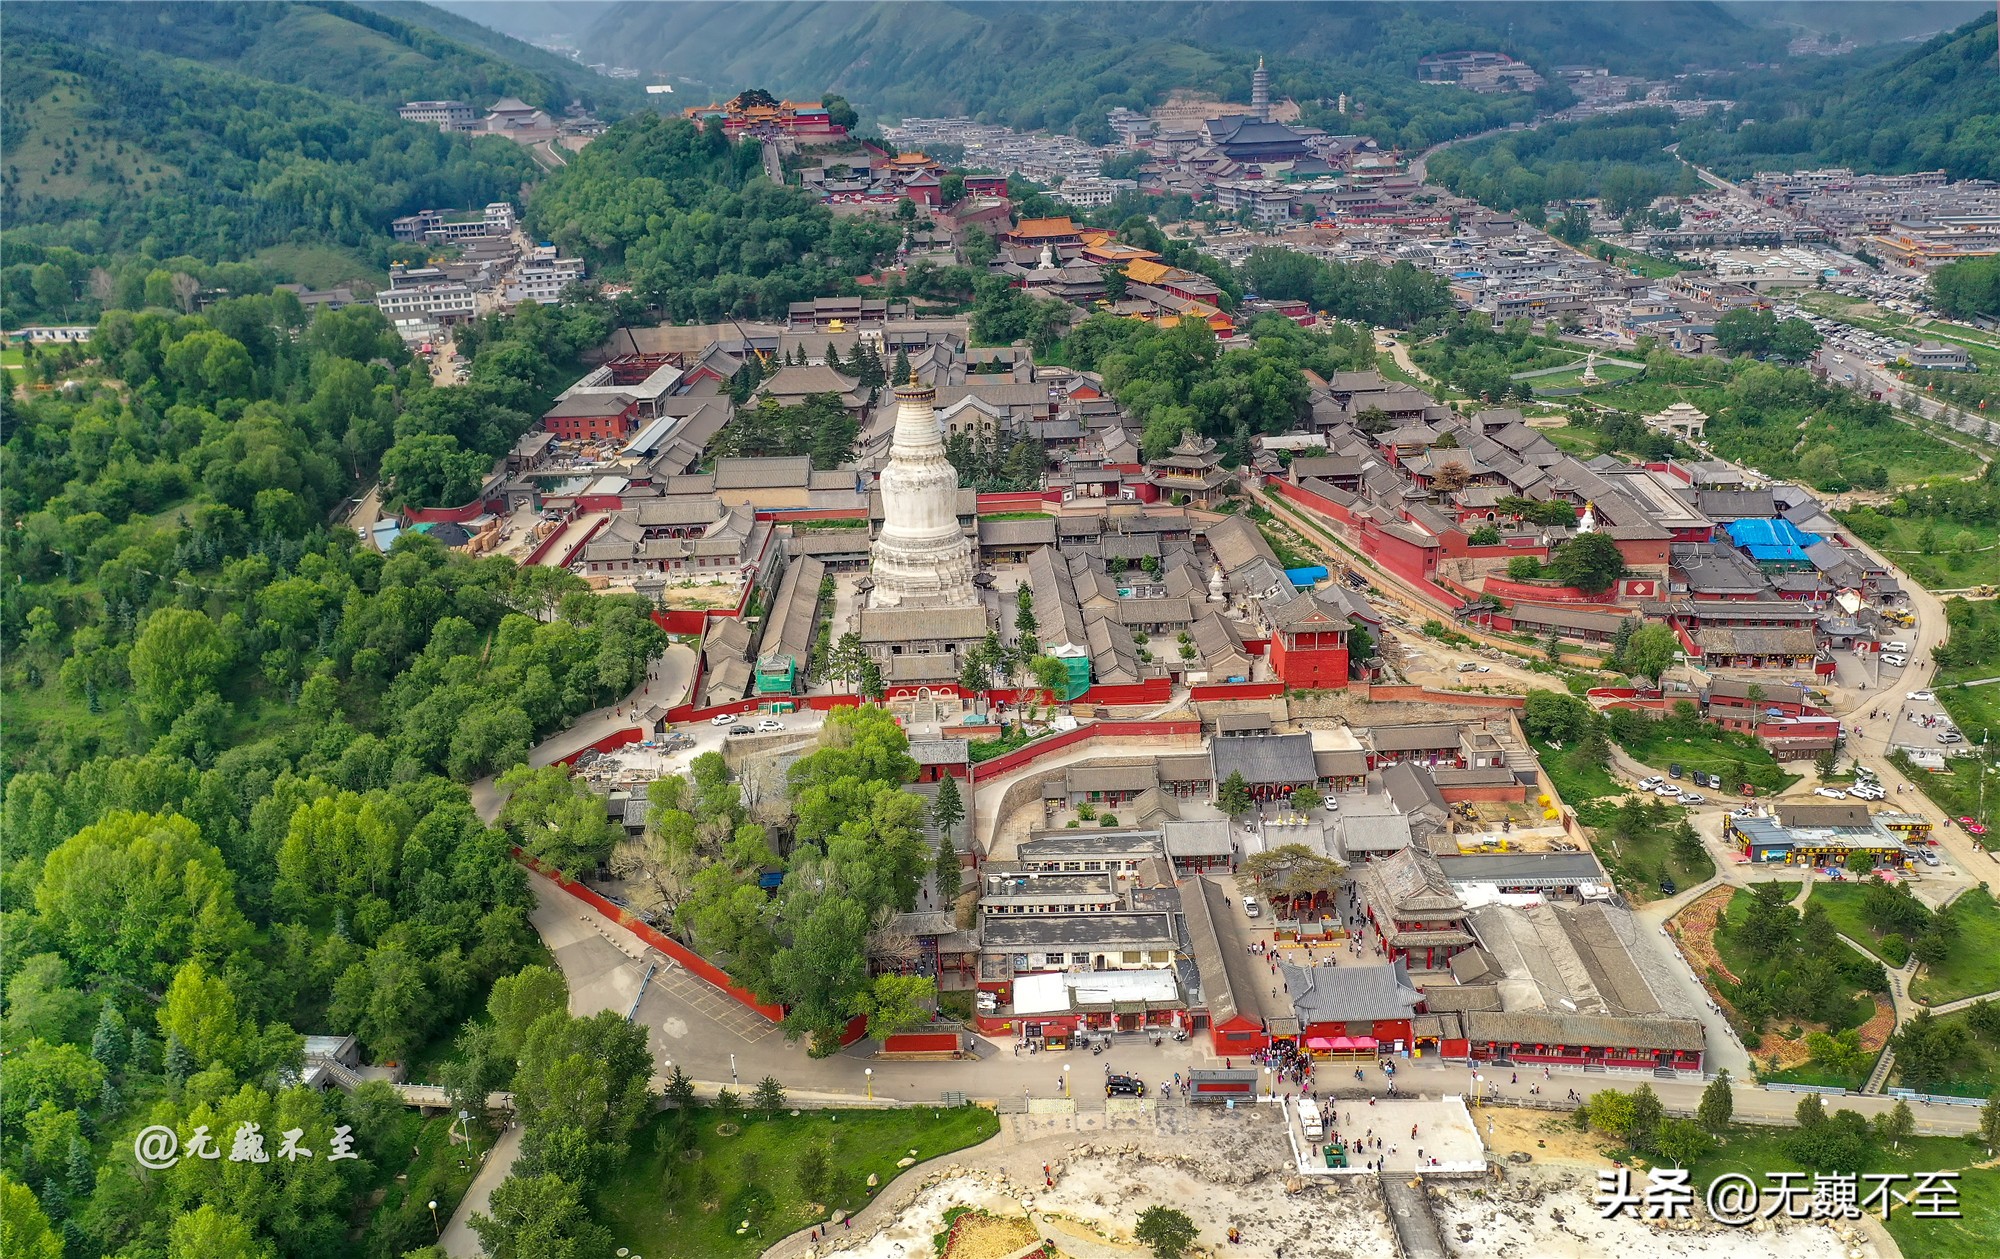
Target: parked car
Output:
{"points": [[1666, 789], [1692, 797], [721, 719], [1647, 784], [1831, 793], [1250, 906], [1928, 857], [1895, 662], [1950, 736], [1862, 791], [1124, 1086], [1899, 647], [741, 730], [1920, 695], [769, 724], [1667, 885], [1674, 770]]}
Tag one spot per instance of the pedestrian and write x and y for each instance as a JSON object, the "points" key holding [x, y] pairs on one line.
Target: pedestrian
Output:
{"points": [[1515, 1078]]}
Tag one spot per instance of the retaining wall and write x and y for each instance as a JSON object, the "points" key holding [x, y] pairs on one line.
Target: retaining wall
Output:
{"points": [[694, 962]]}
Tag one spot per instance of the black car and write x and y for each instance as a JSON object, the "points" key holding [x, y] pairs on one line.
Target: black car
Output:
{"points": [[1124, 1086], [1667, 886], [1674, 771], [741, 730]]}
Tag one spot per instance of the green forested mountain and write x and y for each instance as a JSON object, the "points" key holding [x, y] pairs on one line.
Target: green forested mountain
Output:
{"points": [[1062, 65], [219, 131], [1864, 22], [374, 54], [691, 221], [1937, 105]]}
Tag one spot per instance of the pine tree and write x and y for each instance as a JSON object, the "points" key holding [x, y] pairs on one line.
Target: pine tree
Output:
{"points": [[55, 1203], [82, 1172], [108, 1100], [107, 1043], [949, 807], [901, 374], [179, 1063], [949, 875]]}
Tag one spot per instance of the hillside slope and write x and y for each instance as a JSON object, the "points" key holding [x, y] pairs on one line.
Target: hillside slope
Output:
{"points": [[127, 151], [1935, 106], [380, 54], [611, 98], [1043, 64]]}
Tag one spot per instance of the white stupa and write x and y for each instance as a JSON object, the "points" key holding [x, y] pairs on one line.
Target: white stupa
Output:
{"points": [[921, 558]]}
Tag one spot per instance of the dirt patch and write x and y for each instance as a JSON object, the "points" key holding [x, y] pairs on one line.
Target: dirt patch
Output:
{"points": [[1549, 1138], [1881, 1025], [1693, 929], [983, 1235]]}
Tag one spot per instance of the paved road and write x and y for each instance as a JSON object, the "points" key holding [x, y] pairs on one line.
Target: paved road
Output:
{"points": [[693, 1027], [666, 685], [458, 1240]]}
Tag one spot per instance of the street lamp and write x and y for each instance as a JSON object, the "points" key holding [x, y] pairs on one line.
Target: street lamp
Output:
{"points": [[435, 1226], [869, 1072], [1065, 1079], [732, 1070]]}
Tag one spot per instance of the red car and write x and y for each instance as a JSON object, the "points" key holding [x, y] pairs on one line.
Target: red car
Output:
{"points": [[1971, 827]]}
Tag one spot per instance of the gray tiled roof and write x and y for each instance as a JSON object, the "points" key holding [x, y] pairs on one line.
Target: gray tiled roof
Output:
{"points": [[1352, 993], [1265, 758]]}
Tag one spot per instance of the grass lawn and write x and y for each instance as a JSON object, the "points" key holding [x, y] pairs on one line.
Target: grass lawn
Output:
{"points": [[12, 357], [1757, 1151], [1974, 1073], [1636, 862], [320, 266], [1744, 964], [1937, 562], [440, 1172], [1842, 902], [1710, 749], [1648, 265], [1973, 965], [1575, 781], [666, 1204], [1816, 1073], [1608, 373]]}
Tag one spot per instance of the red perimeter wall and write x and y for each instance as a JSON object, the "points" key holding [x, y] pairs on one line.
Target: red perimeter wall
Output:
{"points": [[694, 962]]}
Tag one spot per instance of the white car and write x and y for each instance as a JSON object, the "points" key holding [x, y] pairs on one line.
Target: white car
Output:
{"points": [[1831, 793], [1920, 695], [1666, 789], [1899, 647], [722, 719], [1250, 907], [769, 724], [1692, 797], [1649, 784], [1895, 661], [1862, 791]]}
